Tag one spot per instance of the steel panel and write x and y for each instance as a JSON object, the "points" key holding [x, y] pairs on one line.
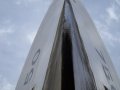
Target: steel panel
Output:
{"points": [[34, 75], [92, 41]]}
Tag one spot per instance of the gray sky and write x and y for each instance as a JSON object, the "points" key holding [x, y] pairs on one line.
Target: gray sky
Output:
{"points": [[20, 20]]}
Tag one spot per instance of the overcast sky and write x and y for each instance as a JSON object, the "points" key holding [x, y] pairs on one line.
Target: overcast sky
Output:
{"points": [[20, 20]]}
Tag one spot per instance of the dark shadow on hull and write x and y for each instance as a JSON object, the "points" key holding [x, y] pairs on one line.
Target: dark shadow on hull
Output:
{"points": [[67, 63]]}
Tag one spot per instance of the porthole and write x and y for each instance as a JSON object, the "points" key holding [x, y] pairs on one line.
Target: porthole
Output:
{"points": [[36, 56], [29, 76], [101, 55]]}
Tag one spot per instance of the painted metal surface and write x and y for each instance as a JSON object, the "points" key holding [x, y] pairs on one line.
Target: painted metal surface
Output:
{"points": [[84, 79], [33, 74], [47, 66], [100, 62]]}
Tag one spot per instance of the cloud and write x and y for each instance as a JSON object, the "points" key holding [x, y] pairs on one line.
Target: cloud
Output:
{"points": [[5, 84], [110, 38], [31, 0], [105, 33], [31, 36], [18, 2], [17, 30], [112, 14], [110, 20], [108, 27], [6, 30], [26, 2], [118, 2]]}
